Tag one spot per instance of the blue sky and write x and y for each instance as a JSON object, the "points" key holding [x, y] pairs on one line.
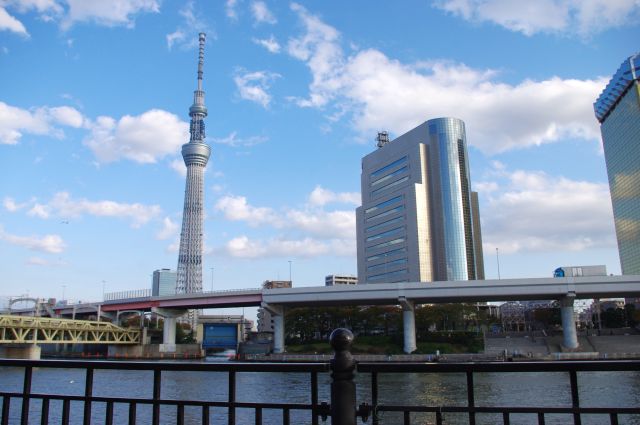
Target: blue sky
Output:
{"points": [[94, 100]]}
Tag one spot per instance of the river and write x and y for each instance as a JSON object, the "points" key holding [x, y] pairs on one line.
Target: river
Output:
{"points": [[597, 389]]}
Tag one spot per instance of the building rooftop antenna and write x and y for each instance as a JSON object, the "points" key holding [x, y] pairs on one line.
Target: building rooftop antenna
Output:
{"points": [[382, 138]]}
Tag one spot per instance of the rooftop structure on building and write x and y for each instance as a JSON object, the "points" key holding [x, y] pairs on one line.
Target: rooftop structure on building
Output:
{"points": [[419, 220], [340, 279]]}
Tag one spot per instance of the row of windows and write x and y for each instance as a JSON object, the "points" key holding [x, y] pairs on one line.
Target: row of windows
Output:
{"points": [[389, 265], [385, 234], [386, 213], [383, 204], [388, 275], [388, 243], [389, 176], [388, 167], [387, 254], [389, 186], [386, 223]]}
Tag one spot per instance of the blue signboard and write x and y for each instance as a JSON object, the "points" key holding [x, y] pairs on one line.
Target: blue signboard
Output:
{"points": [[220, 335]]}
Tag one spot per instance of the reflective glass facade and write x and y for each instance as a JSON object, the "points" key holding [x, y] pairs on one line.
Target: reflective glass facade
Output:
{"points": [[417, 222], [618, 110]]}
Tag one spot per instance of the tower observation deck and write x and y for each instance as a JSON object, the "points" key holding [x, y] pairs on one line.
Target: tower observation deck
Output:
{"points": [[196, 155]]}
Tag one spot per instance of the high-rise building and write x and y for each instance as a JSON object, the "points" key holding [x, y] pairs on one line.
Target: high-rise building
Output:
{"points": [[618, 111], [340, 279], [164, 282], [196, 154], [419, 221]]}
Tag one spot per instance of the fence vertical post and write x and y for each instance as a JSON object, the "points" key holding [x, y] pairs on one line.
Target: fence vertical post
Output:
{"points": [[343, 389]]}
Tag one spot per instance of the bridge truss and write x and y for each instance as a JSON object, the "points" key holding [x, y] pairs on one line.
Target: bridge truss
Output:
{"points": [[44, 330]]}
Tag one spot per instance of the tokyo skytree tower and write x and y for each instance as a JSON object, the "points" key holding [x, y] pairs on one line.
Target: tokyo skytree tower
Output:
{"points": [[196, 154]]}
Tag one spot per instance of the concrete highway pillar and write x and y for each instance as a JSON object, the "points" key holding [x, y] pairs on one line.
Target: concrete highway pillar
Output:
{"points": [[169, 329], [409, 324], [277, 314], [569, 332]]}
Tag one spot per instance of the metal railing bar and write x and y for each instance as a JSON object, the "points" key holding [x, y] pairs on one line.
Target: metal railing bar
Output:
{"points": [[6, 403], [407, 418], [180, 415], [157, 383], [258, 415], [132, 413], [88, 393], [314, 398], [613, 418], [541, 418], [505, 418], [66, 407], [109, 413], [374, 396], [438, 417], [575, 400], [205, 415], [470, 398], [26, 390], [232, 398], [541, 366], [44, 412], [286, 418]]}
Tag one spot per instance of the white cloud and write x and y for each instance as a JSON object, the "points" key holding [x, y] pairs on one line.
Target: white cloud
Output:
{"points": [[243, 247], [178, 166], [230, 9], [110, 14], [11, 205], [254, 86], [14, 121], [234, 141], [40, 211], [169, 229], [144, 138], [271, 44], [10, 23], [48, 243], [64, 206], [321, 196], [186, 35], [236, 208], [536, 212], [583, 17], [262, 14], [38, 261], [379, 91]]}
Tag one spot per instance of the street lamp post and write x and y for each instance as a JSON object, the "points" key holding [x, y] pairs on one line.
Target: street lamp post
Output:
{"points": [[64, 287], [211, 279], [290, 273]]}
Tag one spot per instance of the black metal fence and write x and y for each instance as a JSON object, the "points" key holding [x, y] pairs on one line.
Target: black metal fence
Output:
{"points": [[17, 406]]}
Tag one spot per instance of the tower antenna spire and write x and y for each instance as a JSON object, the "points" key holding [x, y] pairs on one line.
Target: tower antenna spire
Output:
{"points": [[201, 40]]}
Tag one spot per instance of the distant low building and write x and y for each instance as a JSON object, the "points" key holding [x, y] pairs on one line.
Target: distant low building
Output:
{"points": [[337, 279], [163, 283]]}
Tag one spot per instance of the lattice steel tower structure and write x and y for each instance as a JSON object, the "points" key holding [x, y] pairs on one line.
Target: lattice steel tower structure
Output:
{"points": [[196, 154]]}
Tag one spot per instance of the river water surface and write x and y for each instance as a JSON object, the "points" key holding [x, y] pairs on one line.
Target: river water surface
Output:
{"points": [[597, 389]]}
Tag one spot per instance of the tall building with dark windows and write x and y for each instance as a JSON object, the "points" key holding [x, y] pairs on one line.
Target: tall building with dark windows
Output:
{"points": [[618, 111], [419, 221]]}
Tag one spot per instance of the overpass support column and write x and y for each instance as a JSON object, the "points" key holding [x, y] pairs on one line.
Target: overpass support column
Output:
{"points": [[569, 332], [277, 314], [169, 329], [409, 324]]}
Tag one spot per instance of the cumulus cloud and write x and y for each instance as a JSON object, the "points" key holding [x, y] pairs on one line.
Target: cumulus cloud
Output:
{"points": [[178, 166], [169, 229], [376, 90], [143, 138], [262, 14], [110, 14], [49, 243], [236, 208], [537, 212], [10, 23], [15, 121], [271, 44], [254, 86], [10, 204], [230, 9], [243, 247], [321, 196], [38, 261], [583, 17]]}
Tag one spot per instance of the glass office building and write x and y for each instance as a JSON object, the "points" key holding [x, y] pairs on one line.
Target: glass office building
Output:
{"points": [[164, 282], [618, 111], [418, 221]]}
